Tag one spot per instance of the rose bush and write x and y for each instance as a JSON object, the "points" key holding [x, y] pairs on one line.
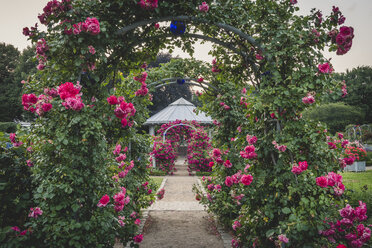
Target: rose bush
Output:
{"points": [[164, 154], [285, 200], [198, 149]]}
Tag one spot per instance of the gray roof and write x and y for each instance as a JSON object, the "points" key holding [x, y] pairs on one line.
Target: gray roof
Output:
{"points": [[178, 110]]}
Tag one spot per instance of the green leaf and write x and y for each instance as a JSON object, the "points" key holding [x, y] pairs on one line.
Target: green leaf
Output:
{"points": [[75, 207], [270, 232], [286, 210]]}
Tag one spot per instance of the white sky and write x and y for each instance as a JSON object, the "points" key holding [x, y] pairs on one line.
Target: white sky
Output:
{"points": [[16, 14]]}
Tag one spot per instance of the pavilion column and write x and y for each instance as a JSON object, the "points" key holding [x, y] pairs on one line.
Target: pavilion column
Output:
{"points": [[152, 130], [152, 133]]}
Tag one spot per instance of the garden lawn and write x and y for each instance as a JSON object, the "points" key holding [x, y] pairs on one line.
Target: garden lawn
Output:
{"points": [[358, 180], [360, 183], [157, 181]]}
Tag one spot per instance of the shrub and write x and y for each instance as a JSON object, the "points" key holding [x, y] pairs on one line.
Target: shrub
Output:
{"points": [[8, 127], [336, 115], [16, 189], [367, 138]]}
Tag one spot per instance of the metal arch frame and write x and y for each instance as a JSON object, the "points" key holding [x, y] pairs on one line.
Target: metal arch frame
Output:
{"points": [[196, 36], [227, 27], [224, 26], [162, 82], [202, 37], [181, 124]]}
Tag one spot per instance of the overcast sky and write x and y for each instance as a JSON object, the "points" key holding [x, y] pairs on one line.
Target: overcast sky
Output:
{"points": [[16, 14]]}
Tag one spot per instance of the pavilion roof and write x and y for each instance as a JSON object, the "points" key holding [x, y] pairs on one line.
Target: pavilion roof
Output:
{"points": [[178, 110]]}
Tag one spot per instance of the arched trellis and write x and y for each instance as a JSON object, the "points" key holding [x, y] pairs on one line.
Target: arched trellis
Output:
{"points": [[246, 55], [165, 133], [226, 27], [181, 124], [185, 80]]}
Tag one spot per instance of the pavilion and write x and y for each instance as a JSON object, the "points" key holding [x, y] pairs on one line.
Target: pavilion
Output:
{"points": [[178, 110]]}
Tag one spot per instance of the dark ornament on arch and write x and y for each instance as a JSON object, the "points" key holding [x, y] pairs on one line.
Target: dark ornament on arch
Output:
{"points": [[181, 81], [177, 27]]}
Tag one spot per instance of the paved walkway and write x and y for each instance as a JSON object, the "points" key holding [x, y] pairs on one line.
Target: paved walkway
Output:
{"points": [[178, 220]]}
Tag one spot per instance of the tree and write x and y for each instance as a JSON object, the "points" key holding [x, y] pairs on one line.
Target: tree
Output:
{"points": [[9, 90], [165, 95], [359, 88], [25, 67]]}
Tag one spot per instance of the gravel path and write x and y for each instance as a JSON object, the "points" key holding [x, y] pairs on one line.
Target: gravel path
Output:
{"points": [[178, 220]]}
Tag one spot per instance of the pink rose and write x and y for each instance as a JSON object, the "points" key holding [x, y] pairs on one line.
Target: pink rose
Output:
{"points": [[148, 4], [325, 68], [303, 165], [210, 187], [121, 157], [137, 222], [228, 181], [35, 212], [12, 137], [236, 225], [331, 145], [349, 160], [227, 164], [282, 237], [91, 25], [46, 107], [112, 100], [138, 238], [346, 31], [91, 49], [124, 122], [104, 201], [117, 149], [204, 7], [296, 170], [251, 139], [322, 182], [246, 179], [308, 99], [259, 57], [40, 66], [67, 90], [29, 163]]}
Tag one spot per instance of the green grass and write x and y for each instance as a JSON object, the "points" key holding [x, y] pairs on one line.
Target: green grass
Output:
{"points": [[357, 180], [156, 172], [157, 181], [203, 173], [359, 188]]}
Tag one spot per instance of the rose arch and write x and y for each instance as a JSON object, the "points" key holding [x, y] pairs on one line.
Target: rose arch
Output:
{"points": [[275, 186]]}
